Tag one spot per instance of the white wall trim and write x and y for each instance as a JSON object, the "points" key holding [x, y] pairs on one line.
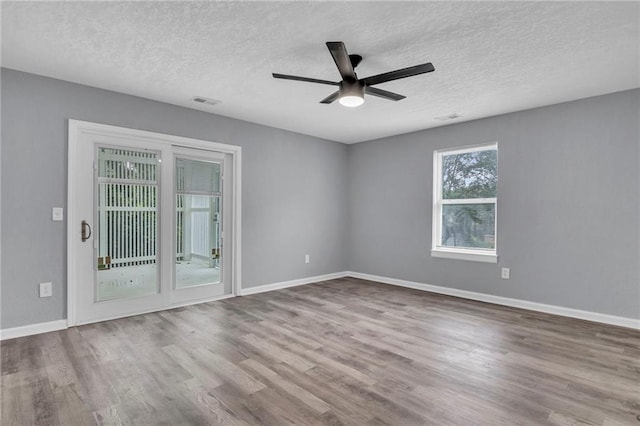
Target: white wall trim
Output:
{"points": [[79, 129], [464, 255], [292, 283], [31, 329], [45, 327], [505, 301]]}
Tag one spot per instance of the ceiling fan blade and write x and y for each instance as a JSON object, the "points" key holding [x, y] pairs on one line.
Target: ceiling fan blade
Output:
{"points": [[342, 60], [307, 79], [383, 94], [398, 74], [332, 97]]}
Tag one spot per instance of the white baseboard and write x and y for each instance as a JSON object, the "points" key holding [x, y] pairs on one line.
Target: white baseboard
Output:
{"points": [[45, 327], [292, 283], [506, 301], [28, 330]]}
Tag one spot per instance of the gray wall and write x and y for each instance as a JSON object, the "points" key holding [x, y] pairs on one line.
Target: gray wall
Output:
{"points": [[568, 205], [294, 192], [568, 212]]}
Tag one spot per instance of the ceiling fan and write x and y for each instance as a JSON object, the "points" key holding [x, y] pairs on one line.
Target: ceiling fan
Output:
{"points": [[351, 89]]}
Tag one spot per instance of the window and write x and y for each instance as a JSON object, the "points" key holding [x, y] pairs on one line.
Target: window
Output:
{"points": [[464, 203]]}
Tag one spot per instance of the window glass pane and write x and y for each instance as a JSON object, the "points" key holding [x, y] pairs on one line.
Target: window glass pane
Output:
{"points": [[470, 175], [127, 165], [197, 177], [127, 228], [469, 225], [198, 223]]}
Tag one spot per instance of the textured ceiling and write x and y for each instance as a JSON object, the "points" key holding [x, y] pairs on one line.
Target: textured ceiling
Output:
{"points": [[490, 57]]}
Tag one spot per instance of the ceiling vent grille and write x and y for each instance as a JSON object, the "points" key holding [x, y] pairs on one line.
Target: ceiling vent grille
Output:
{"points": [[203, 100], [452, 116]]}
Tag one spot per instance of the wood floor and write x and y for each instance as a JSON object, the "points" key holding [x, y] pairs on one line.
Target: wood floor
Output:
{"points": [[344, 351]]}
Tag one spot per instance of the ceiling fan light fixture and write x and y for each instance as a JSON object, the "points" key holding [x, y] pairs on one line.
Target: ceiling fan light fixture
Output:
{"points": [[351, 94], [351, 101]]}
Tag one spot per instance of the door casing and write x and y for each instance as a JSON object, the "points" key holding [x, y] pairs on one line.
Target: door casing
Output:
{"points": [[80, 132]]}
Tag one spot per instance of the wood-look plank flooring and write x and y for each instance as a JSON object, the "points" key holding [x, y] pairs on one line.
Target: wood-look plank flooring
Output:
{"points": [[345, 351]]}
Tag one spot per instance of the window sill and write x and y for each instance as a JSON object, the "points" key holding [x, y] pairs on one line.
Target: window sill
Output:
{"points": [[469, 255]]}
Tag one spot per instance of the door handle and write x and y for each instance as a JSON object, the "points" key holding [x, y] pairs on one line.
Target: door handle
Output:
{"points": [[85, 226]]}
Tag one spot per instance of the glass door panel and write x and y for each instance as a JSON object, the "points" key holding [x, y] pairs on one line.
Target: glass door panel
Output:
{"points": [[127, 225], [146, 219], [198, 223]]}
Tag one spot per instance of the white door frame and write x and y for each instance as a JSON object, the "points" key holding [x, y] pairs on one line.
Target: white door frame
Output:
{"points": [[77, 129]]}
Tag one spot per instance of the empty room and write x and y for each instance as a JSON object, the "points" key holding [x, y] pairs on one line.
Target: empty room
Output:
{"points": [[320, 213]]}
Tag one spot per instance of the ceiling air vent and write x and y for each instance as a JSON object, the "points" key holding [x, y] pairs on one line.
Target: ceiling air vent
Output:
{"points": [[203, 100], [451, 116]]}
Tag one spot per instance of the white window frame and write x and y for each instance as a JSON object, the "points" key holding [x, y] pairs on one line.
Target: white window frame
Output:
{"points": [[437, 250]]}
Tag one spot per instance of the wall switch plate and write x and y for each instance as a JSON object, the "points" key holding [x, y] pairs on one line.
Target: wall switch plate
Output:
{"points": [[307, 258], [57, 214], [505, 273], [45, 289]]}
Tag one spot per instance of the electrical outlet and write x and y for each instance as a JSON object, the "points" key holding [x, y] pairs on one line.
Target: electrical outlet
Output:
{"points": [[307, 258], [45, 289], [57, 214], [505, 273]]}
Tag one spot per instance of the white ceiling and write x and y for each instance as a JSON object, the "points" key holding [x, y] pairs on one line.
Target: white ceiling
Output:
{"points": [[490, 57]]}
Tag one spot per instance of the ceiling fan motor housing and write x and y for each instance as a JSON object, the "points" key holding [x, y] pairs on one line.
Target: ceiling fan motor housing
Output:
{"points": [[351, 93], [351, 88]]}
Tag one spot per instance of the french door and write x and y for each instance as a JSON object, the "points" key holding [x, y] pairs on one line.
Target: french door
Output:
{"points": [[152, 222]]}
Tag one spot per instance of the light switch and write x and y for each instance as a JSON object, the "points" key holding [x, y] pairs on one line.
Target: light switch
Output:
{"points": [[57, 214]]}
